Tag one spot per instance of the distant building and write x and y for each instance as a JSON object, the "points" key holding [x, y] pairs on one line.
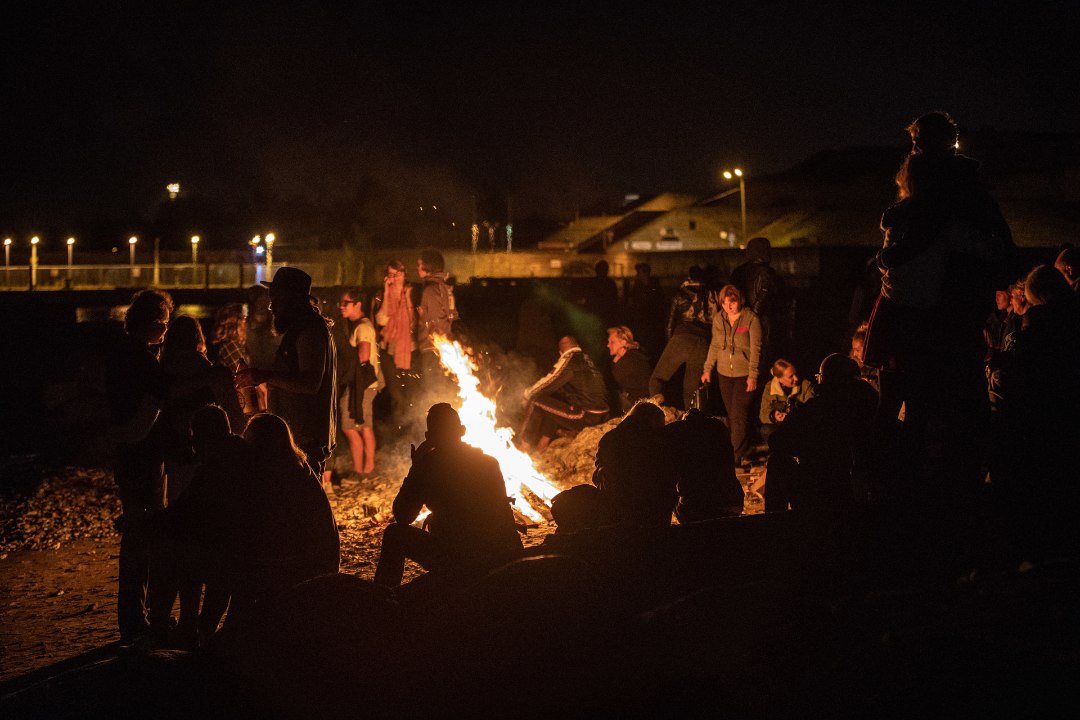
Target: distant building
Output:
{"points": [[657, 223]]}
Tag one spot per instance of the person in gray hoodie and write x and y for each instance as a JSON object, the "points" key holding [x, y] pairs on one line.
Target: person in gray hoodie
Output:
{"points": [[735, 353]]}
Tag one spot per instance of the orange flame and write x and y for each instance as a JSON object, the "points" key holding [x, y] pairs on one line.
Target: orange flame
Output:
{"points": [[477, 413]]}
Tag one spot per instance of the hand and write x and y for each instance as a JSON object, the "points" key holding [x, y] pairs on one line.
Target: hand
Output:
{"points": [[705, 377], [751, 384]]}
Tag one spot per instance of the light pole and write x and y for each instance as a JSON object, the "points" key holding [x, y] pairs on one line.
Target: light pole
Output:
{"points": [[194, 249], [742, 195], [33, 261], [270, 238], [71, 254], [131, 253], [7, 262]]}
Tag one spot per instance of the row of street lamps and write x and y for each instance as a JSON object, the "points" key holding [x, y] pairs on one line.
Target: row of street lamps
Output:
{"points": [[257, 244]]}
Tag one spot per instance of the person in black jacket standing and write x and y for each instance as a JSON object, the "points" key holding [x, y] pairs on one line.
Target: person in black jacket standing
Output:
{"points": [[764, 293], [689, 329]]}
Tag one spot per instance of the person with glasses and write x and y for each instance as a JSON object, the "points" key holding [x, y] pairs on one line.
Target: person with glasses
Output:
{"points": [[358, 399]]}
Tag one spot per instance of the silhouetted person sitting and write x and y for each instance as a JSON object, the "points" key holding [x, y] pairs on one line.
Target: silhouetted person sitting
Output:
{"points": [[289, 532], [704, 463], [633, 470], [206, 521], [471, 528], [570, 397], [814, 451], [1034, 473]]}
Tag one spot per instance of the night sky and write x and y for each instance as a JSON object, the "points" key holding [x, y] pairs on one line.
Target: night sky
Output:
{"points": [[557, 106]]}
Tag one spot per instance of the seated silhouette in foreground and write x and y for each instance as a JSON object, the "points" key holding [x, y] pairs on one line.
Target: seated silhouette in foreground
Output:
{"points": [[634, 479], [471, 528], [205, 520], [289, 532], [704, 463], [813, 453]]}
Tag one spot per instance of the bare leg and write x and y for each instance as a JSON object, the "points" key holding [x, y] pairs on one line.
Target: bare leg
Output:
{"points": [[367, 434], [356, 448]]}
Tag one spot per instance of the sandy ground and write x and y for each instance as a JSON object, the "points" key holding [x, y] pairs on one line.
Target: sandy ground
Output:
{"points": [[58, 550]]}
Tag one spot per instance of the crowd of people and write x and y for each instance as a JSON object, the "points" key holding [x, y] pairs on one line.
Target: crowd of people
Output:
{"points": [[223, 448]]}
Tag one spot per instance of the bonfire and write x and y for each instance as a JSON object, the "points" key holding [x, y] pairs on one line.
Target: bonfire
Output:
{"points": [[531, 490]]}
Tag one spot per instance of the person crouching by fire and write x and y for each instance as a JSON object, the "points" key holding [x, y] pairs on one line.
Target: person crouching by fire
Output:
{"points": [[471, 528], [570, 397]]}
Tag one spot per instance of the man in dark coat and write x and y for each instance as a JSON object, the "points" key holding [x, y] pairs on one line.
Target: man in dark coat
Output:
{"points": [[689, 330], [471, 528], [763, 291]]}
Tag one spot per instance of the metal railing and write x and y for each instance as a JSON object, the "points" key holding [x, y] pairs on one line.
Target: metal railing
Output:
{"points": [[168, 276]]}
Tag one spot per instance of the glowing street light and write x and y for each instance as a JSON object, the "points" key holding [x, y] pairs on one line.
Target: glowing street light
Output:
{"points": [[270, 238], [71, 251], [254, 243], [174, 190], [33, 260], [728, 174], [131, 250], [7, 261], [194, 249]]}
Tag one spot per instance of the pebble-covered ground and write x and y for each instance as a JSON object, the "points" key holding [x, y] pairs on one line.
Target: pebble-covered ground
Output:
{"points": [[58, 544]]}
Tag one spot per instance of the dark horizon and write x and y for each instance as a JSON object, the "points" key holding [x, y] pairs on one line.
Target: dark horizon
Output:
{"points": [[335, 112]]}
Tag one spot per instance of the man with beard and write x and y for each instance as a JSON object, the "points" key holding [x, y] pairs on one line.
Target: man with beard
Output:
{"points": [[302, 384]]}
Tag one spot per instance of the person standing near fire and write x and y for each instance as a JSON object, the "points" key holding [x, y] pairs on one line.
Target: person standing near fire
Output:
{"points": [[436, 312], [396, 317], [302, 385], [367, 378]]}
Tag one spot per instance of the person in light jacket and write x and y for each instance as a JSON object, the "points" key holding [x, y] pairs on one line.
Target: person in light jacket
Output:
{"points": [[735, 352]]}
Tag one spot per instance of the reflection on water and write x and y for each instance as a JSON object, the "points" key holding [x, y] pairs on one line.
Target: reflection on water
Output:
{"points": [[106, 313]]}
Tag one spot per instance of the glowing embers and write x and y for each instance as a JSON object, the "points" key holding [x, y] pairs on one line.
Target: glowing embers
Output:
{"points": [[523, 481]]}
